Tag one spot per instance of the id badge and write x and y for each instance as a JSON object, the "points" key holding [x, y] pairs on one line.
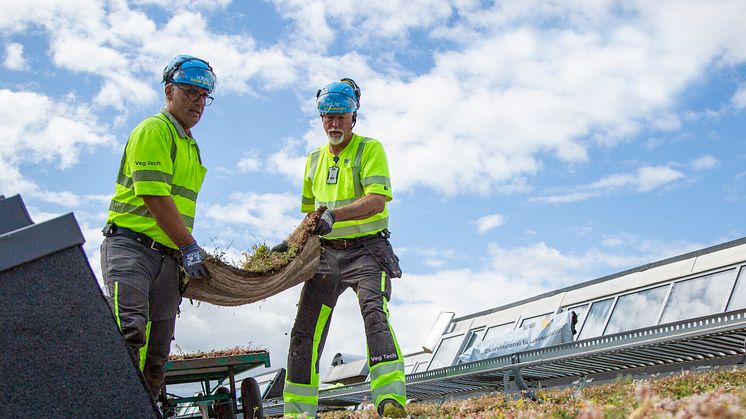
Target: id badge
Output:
{"points": [[331, 177]]}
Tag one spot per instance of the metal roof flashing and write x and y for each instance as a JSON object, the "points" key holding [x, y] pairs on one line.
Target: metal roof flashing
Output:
{"points": [[38, 240], [13, 214]]}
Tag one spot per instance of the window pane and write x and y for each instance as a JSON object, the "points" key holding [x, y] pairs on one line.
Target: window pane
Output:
{"points": [[474, 337], [637, 310], [698, 297], [738, 301], [530, 322], [498, 330], [420, 366], [580, 311], [446, 352], [594, 325]]}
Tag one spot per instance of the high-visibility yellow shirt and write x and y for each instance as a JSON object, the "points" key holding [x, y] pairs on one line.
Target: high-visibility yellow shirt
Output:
{"points": [[362, 169], [160, 159]]}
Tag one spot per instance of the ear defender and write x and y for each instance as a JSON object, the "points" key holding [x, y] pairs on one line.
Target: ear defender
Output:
{"points": [[355, 88]]}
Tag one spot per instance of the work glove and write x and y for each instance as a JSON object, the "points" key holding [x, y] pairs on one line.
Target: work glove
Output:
{"points": [[326, 221], [192, 258], [280, 248]]}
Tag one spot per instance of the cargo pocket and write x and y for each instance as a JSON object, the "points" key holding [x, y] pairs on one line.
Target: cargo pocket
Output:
{"points": [[384, 255]]}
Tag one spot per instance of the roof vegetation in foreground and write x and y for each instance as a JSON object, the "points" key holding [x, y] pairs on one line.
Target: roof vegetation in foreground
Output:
{"points": [[712, 394]]}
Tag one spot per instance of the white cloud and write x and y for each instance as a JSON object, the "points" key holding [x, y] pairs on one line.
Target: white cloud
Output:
{"points": [[318, 23], [649, 250], [565, 198], [488, 222], [650, 178], [18, 16], [14, 59], [250, 162], [188, 4], [38, 129], [481, 116], [289, 161], [704, 163], [739, 97], [645, 179], [435, 258], [268, 216], [312, 28], [511, 94], [12, 182], [89, 39]]}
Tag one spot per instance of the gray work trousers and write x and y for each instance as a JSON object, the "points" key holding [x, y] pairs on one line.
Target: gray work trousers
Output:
{"points": [[355, 268], [143, 288]]}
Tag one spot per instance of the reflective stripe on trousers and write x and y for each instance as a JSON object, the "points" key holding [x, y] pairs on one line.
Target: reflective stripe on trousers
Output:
{"points": [[340, 269], [387, 378], [143, 286], [300, 399]]}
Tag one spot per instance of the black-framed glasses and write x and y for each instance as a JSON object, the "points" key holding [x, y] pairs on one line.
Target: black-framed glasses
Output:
{"points": [[194, 95]]}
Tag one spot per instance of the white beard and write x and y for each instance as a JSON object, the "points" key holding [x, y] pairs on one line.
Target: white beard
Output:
{"points": [[335, 140]]}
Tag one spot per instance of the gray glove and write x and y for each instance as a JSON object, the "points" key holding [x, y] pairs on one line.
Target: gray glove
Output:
{"points": [[282, 247], [192, 257], [326, 221]]}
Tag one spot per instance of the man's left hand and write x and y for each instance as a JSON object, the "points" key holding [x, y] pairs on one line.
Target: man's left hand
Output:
{"points": [[192, 258]]}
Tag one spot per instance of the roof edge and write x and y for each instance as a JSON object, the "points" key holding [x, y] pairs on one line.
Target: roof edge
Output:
{"points": [[38, 240], [641, 268]]}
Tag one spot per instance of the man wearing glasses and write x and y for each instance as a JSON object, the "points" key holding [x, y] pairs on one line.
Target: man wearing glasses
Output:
{"points": [[151, 216]]}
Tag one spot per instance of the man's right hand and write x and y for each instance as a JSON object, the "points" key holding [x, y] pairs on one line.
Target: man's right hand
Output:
{"points": [[325, 223], [192, 258], [280, 248]]}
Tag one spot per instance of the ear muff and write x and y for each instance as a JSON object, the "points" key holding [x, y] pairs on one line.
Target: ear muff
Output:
{"points": [[355, 88], [168, 75]]}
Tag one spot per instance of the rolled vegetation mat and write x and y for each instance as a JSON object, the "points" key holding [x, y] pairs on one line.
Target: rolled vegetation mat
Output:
{"points": [[215, 353], [262, 273]]}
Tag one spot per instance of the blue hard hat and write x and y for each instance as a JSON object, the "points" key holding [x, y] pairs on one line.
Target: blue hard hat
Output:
{"points": [[338, 97], [190, 70]]}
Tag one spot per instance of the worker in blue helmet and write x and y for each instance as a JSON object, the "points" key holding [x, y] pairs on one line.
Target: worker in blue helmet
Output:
{"points": [[349, 175], [148, 231]]}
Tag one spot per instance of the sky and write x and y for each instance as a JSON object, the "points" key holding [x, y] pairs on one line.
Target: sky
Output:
{"points": [[532, 145]]}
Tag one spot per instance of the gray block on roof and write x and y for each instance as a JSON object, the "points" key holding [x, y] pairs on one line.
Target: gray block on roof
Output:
{"points": [[13, 214], [63, 355]]}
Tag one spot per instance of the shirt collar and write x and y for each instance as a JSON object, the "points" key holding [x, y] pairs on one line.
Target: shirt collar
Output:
{"points": [[179, 128]]}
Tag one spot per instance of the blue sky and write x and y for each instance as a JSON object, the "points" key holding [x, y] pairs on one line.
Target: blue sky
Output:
{"points": [[532, 144]]}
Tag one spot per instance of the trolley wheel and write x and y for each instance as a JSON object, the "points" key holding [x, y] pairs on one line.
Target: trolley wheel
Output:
{"points": [[251, 399]]}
